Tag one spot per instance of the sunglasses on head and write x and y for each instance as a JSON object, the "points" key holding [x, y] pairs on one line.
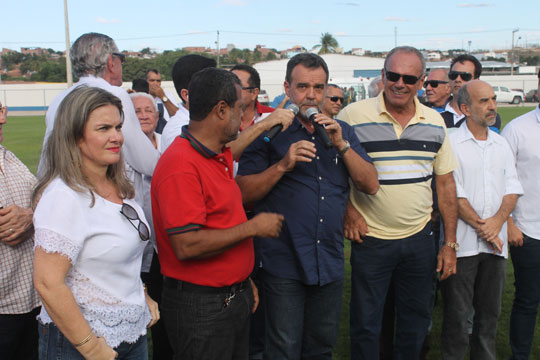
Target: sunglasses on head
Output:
{"points": [[465, 76], [434, 83], [335, 98], [131, 214], [407, 79]]}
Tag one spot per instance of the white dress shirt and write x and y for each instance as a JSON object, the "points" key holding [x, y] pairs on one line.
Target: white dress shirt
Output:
{"points": [[174, 127], [138, 150], [523, 136], [485, 174]]}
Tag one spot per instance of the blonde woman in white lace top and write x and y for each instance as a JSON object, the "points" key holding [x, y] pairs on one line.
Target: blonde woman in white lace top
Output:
{"points": [[89, 238]]}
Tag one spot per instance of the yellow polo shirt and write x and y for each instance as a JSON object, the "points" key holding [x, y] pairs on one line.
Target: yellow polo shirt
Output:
{"points": [[406, 159]]}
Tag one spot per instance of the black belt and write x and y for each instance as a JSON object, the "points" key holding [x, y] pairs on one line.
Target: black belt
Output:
{"points": [[187, 286]]}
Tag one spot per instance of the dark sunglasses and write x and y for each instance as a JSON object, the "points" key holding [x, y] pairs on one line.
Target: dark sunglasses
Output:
{"points": [[434, 83], [131, 214], [336, 98], [465, 76], [121, 56], [407, 79], [248, 87]]}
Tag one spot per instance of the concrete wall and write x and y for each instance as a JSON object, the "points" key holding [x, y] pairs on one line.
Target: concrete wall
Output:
{"points": [[34, 99]]}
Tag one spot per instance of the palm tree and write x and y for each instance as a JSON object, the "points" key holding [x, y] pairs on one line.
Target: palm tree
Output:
{"points": [[328, 44]]}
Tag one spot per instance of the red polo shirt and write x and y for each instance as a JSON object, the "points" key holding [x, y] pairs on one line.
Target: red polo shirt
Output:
{"points": [[193, 189]]}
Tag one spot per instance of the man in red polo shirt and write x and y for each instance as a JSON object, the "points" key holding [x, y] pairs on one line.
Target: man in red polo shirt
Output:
{"points": [[204, 239]]}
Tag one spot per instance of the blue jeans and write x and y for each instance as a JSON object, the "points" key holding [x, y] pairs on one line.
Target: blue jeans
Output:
{"points": [[411, 262], [205, 322], [301, 320], [53, 345], [526, 261]]}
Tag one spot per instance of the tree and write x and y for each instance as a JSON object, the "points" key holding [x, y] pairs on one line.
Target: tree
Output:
{"points": [[328, 44]]}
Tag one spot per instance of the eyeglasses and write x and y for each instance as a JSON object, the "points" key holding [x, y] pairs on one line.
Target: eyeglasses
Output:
{"points": [[121, 56], [131, 214], [465, 76], [407, 79], [336, 98], [248, 87], [434, 83]]}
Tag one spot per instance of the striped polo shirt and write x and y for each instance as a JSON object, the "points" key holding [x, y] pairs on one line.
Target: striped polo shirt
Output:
{"points": [[406, 159]]}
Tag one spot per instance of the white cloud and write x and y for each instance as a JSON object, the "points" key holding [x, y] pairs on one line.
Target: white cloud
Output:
{"points": [[471, 5], [234, 2], [397, 18], [107, 21]]}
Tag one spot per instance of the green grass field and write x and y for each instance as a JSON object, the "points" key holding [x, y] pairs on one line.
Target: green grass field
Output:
{"points": [[24, 135]]}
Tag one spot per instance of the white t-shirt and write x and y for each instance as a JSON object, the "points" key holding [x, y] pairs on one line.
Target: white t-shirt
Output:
{"points": [[105, 251], [173, 128]]}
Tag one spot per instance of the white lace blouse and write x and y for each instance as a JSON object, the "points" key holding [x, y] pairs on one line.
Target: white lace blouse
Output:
{"points": [[105, 251]]}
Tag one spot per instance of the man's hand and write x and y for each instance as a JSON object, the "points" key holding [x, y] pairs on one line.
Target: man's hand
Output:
{"points": [[255, 296], [301, 151], [268, 224], [446, 262], [496, 245], [284, 117], [489, 228], [156, 90], [515, 236], [355, 225], [333, 129], [15, 221]]}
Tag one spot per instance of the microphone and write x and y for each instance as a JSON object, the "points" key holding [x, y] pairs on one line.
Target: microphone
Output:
{"points": [[319, 129], [270, 134]]}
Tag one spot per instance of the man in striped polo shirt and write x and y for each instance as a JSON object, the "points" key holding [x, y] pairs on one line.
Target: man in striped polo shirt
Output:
{"points": [[409, 147]]}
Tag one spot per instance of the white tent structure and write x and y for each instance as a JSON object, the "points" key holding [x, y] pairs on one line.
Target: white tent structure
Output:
{"points": [[272, 73]]}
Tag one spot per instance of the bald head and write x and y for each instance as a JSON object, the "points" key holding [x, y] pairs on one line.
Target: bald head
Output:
{"points": [[478, 102]]}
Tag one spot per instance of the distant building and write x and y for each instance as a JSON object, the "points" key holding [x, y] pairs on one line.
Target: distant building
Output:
{"points": [[195, 49], [6, 51], [34, 51], [433, 56], [358, 51]]}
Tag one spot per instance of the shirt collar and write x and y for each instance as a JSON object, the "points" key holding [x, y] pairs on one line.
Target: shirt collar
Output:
{"points": [[464, 134], [196, 144], [419, 112]]}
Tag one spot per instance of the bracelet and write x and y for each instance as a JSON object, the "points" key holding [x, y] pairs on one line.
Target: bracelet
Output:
{"points": [[86, 339], [144, 287]]}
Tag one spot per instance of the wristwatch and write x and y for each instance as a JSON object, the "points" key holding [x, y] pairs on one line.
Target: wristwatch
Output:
{"points": [[453, 245], [344, 150], [164, 99]]}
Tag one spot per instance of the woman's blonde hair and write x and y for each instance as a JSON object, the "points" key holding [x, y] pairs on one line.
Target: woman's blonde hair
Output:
{"points": [[62, 156]]}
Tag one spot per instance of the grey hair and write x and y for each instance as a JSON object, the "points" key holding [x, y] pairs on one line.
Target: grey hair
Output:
{"points": [[463, 96], [63, 158], [373, 88], [144, 95], [408, 50], [444, 70], [90, 52]]}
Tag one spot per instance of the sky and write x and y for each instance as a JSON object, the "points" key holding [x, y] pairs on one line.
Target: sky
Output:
{"points": [[370, 25]]}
